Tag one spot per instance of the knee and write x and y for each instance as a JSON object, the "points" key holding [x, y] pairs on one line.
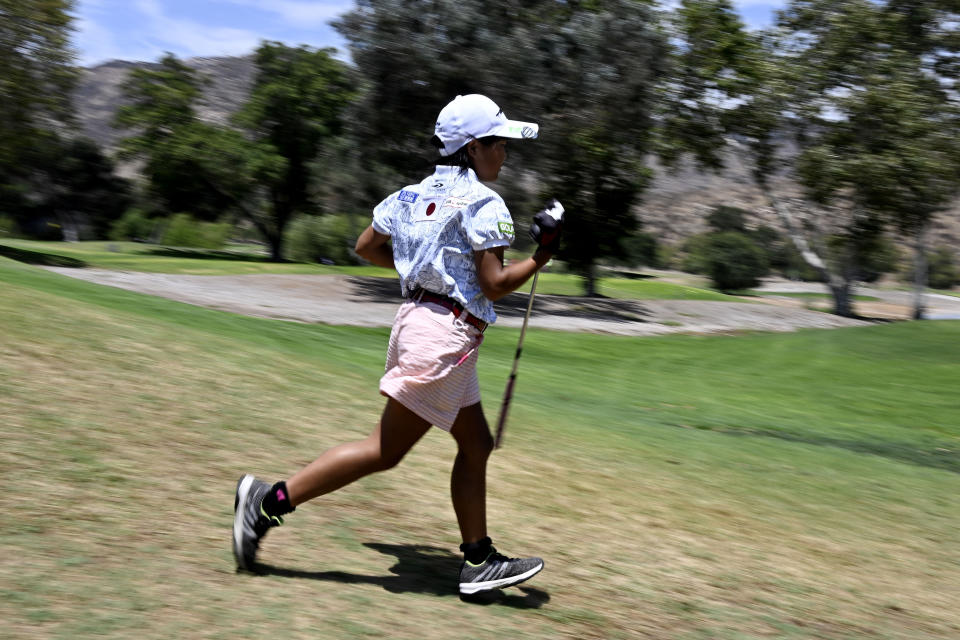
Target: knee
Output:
{"points": [[386, 461], [478, 448]]}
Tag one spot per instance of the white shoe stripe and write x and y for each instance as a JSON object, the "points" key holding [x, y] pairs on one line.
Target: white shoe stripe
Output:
{"points": [[490, 570], [474, 587], [242, 493]]}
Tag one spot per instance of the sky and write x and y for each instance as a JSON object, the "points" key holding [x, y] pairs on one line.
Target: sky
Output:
{"points": [[142, 30]]}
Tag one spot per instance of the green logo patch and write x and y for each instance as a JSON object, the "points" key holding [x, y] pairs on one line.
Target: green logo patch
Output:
{"points": [[506, 227]]}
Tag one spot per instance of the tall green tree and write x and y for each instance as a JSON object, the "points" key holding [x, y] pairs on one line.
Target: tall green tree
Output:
{"points": [[261, 167], [296, 108], [179, 151], [858, 83], [36, 73], [599, 69], [894, 156], [36, 80], [586, 71], [84, 193], [712, 66]]}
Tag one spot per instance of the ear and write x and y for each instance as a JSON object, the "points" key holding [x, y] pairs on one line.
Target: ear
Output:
{"points": [[472, 148]]}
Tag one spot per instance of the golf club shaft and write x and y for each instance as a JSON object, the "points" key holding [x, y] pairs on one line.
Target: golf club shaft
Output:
{"points": [[508, 393]]}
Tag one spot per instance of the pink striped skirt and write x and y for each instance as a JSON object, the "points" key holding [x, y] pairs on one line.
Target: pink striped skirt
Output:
{"points": [[432, 363]]}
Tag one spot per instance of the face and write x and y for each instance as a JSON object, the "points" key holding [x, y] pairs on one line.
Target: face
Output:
{"points": [[488, 159]]}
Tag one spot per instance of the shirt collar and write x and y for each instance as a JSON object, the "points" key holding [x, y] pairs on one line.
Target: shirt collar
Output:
{"points": [[451, 173]]}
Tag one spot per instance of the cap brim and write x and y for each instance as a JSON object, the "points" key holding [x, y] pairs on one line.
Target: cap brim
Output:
{"points": [[517, 129]]}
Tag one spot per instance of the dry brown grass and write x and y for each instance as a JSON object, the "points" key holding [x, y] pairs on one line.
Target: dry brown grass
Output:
{"points": [[123, 439]]}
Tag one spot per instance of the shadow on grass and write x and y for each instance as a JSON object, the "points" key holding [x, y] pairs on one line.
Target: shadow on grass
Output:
{"points": [[630, 275], [934, 456], [514, 305], [44, 259], [419, 569]]}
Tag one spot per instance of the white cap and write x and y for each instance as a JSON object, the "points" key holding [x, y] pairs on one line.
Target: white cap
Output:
{"points": [[475, 116]]}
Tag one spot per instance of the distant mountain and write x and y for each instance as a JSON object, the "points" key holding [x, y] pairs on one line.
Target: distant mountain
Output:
{"points": [[673, 208], [98, 94]]}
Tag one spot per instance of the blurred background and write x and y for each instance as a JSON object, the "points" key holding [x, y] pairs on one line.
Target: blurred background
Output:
{"points": [[754, 475], [810, 140]]}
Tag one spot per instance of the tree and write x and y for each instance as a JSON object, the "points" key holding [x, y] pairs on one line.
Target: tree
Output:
{"points": [[36, 74], [259, 169], [36, 81], [183, 156], [856, 82], [610, 54], [84, 194], [561, 64], [727, 218], [296, 107], [713, 65]]}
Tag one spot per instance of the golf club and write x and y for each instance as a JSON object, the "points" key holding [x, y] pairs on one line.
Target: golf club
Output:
{"points": [[556, 212]]}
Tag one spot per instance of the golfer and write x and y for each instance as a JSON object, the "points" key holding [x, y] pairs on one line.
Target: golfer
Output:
{"points": [[448, 235]]}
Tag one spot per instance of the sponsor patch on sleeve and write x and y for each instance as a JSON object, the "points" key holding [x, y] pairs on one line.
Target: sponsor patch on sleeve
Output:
{"points": [[408, 196], [506, 227]]}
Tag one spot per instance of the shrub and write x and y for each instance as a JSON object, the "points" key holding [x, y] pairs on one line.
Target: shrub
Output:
{"points": [[324, 239], [942, 269], [667, 256], [132, 225], [726, 218], [8, 227], [695, 251], [883, 257], [734, 261], [184, 231], [640, 250]]}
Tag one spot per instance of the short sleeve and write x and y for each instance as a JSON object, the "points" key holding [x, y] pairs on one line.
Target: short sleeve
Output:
{"points": [[490, 226], [384, 215]]}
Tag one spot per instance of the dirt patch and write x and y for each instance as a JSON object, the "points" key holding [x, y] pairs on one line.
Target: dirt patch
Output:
{"points": [[361, 301]]}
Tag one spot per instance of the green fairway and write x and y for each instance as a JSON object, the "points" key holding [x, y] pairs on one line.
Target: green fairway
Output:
{"points": [[130, 256], [798, 485]]}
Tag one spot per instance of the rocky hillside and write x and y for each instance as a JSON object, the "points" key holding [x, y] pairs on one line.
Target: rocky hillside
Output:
{"points": [[672, 209], [99, 92]]}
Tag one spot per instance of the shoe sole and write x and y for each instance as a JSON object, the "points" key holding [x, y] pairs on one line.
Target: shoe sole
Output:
{"points": [[470, 588], [243, 490]]}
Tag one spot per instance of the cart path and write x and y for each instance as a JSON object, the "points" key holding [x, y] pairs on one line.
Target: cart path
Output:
{"points": [[372, 302]]}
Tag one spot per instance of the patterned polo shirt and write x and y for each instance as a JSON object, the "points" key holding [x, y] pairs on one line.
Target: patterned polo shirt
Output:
{"points": [[435, 227]]}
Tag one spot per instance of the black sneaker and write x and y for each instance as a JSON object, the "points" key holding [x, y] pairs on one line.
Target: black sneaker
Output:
{"points": [[497, 572], [250, 522]]}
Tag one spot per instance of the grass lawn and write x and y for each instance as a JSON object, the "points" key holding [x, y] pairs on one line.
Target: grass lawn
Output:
{"points": [[793, 486], [131, 256]]}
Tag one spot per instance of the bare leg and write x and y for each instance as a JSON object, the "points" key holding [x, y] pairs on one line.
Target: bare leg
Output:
{"points": [[398, 430], [468, 482]]}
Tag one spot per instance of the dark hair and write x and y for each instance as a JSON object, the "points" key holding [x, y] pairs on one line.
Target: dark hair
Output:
{"points": [[460, 157]]}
